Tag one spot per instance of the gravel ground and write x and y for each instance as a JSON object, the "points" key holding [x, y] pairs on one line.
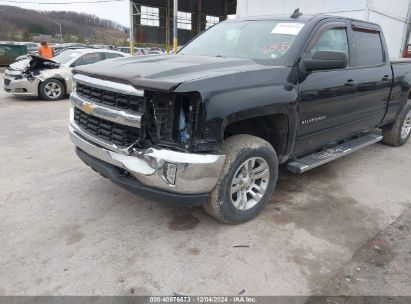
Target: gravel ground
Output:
{"points": [[381, 267]]}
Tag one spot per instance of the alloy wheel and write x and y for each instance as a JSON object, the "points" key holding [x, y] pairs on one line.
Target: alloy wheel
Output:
{"points": [[249, 183], [406, 127], [52, 90]]}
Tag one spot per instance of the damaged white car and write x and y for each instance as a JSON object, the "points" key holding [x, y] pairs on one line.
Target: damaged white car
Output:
{"points": [[50, 79]]}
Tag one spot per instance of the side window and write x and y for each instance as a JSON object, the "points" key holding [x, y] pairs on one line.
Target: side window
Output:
{"points": [[112, 55], [88, 59], [332, 40], [366, 49]]}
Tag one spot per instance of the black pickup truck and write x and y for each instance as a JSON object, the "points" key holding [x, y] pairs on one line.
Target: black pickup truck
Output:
{"points": [[210, 125]]}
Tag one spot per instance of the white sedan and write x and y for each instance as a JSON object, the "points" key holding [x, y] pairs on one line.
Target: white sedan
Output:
{"points": [[51, 79]]}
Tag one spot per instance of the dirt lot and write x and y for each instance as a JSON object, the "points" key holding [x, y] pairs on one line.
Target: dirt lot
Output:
{"points": [[380, 267], [65, 230]]}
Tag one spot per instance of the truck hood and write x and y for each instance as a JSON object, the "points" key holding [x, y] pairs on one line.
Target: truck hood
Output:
{"points": [[166, 72]]}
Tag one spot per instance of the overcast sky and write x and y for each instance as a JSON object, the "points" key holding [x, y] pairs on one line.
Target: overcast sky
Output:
{"points": [[116, 11]]}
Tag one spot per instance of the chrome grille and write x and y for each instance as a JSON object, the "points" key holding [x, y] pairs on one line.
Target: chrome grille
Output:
{"points": [[114, 133], [109, 98]]}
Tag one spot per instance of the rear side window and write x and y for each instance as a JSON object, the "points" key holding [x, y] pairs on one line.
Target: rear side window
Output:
{"points": [[366, 49], [88, 59], [112, 55]]}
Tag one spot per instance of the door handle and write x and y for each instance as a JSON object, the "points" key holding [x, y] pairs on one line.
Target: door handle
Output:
{"points": [[386, 78], [351, 83]]}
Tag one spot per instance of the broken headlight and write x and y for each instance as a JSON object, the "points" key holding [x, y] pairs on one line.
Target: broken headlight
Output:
{"points": [[173, 119]]}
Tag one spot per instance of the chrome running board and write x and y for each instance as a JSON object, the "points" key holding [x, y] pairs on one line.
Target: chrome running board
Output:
{"points": [[317, 159]]}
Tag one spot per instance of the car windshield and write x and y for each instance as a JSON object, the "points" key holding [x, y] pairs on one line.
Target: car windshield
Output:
{"points": [[261, 39], [66, 56]]}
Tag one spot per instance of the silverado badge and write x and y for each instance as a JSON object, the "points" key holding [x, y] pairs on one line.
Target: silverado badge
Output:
{"points": [[88, 108], [313, 120]]}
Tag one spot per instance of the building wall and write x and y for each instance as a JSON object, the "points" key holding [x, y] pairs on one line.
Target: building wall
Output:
{"points": [[391, 15], [164, 33]]}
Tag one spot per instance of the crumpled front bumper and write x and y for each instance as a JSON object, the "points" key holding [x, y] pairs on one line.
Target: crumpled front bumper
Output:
{"points": [[20, 87], [171, 171]]}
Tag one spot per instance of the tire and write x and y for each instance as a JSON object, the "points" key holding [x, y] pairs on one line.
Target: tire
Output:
{"points": [[52, 89], [398, 133], [232, 208]]}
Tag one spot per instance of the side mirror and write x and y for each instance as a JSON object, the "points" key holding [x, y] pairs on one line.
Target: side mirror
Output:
{"points": [[326, 60]]}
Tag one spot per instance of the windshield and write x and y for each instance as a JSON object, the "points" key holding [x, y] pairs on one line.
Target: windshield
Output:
{"points": [[66, 56], [245, 39]]}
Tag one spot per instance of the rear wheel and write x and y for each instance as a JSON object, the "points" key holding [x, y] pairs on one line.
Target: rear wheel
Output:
{"points": [[51, 89], [399, 132], [247, 180]]}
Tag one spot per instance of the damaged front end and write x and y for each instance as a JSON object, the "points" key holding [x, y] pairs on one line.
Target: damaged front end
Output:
{"points": [[150, 135], [24, 76], [32, 66], [173, 120]]}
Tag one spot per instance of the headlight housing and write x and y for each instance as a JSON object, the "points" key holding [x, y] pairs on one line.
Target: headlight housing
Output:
{"points": [[173, 119]]}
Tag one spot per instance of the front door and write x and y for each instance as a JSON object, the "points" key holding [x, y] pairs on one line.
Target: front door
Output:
{"points": [[326, 97]]}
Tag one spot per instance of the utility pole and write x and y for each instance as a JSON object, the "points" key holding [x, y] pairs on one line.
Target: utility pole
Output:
{"points": [[168, 26], [175, 29], [407, 33], [131, 28], [61, 34], [369, 8]]}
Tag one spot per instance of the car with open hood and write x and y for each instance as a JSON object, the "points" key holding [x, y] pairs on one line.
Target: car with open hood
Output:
{"points": [[50, 79]]}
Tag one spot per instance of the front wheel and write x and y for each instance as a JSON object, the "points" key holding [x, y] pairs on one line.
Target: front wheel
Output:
{"points": [[247, 181], [51, 89]]}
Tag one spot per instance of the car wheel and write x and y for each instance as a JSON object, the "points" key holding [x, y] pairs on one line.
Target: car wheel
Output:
{"points": [[398, 132], [247, 180], [51, 89]]}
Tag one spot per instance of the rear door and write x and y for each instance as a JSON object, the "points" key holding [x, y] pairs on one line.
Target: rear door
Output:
{"points": [[373, 74]]}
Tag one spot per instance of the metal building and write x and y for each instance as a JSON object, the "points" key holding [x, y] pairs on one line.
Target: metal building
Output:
{"points": [[153, 19]]}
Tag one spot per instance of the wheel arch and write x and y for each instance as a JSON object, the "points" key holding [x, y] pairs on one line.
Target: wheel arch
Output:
{"points": [[275, 128], [61, 79]]}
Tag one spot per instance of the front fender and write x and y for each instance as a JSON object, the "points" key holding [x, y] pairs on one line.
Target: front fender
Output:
{"points": [[228, 107], [242, 95], [62, 74]]}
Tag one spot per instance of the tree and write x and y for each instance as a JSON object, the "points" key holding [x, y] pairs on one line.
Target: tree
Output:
{"points": [[27, 36], [67, 38], [81, 39], [126, 42], [13, 36], [17, 23]]}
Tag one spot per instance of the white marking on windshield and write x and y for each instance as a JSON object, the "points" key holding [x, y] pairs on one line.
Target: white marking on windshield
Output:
{"points": [[288, 28]]}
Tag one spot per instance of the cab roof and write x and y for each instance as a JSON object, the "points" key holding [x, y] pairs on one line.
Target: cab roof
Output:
{"points": [[303, 18]]}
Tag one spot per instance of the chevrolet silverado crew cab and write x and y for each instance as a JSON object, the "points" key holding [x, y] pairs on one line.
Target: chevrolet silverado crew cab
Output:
{"points": [[211, 124]]}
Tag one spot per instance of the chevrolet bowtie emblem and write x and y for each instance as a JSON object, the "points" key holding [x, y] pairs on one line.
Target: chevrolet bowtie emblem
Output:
{"points": [[88, 108]]}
